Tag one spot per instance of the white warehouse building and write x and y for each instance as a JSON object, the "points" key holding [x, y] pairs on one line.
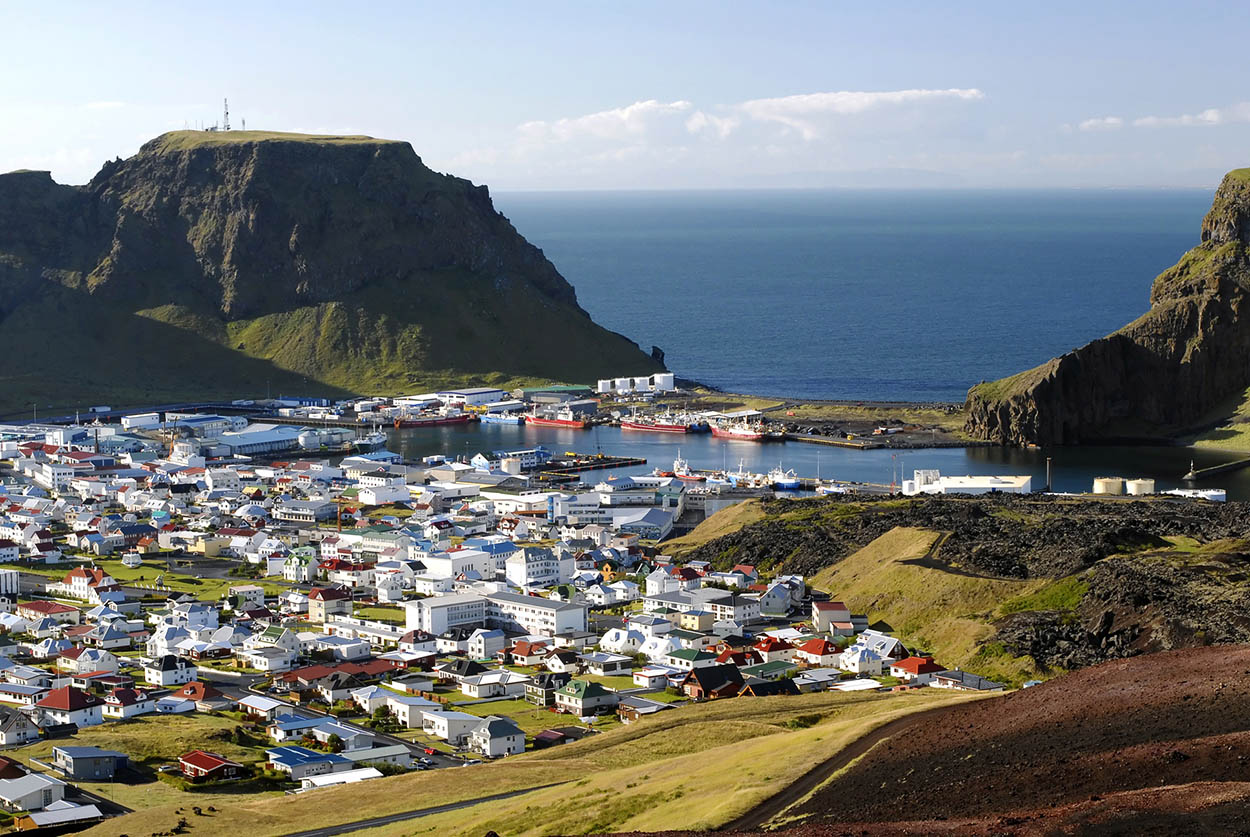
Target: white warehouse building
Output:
{"points": [[932, 482], [659, 382]]}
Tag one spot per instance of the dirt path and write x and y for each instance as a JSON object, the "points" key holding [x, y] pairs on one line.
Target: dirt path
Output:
{"points": [[774, 806]]}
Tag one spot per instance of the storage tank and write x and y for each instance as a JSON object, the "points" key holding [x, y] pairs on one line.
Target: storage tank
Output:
{"points": [[309, 440], [1141, 486], [510, 465], [1109, 485]]}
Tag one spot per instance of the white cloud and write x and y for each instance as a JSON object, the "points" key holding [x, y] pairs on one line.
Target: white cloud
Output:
{"points": [[798, 112], [720, 126], [1239, 112], [629, 122], [104, 105], [1102, 123]]}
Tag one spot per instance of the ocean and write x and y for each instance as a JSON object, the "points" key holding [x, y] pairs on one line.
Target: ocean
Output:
{"points": [[883, 295]]}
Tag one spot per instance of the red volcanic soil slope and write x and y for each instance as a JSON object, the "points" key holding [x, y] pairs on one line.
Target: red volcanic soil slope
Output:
{"points": [[1157, 744], [1129, 727]]}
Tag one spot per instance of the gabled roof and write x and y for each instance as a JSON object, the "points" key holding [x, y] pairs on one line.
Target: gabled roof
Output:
{"points": [[205, 760], [68, 699]]}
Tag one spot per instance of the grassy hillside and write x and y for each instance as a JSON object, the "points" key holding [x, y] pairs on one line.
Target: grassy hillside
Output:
{"points": [[933, 607], [723, 522], [187, 140], [697, 766]]}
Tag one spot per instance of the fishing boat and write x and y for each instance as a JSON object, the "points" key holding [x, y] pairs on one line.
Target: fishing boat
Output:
{"points": [[563, 418], [434, 420], [656, 424], [370, 442], [742, 478], [740, 431], [681, 470], [783, 480], [501, 418]]}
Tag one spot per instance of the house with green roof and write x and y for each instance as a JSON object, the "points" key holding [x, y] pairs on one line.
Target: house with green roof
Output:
{"points": [[688, 659], [584, 698], [775, 670]]}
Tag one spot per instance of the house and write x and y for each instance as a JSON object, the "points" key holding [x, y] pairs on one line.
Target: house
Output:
{"points": [[123, 703], [485, 644], [79, 660], [68, 705], [299, 762], [860, 660], [497, 736], [964, 682], [452, 727], [711, 682], [498, 683], [32, 792], [818, 652], [775, 670], [169, 671], [409, 710], [203, 696], [541, 690], [203, 766], [686, 659], [261, 708], [584, 698], [602, 664], [772, 648], [527, 653], [89, 764], [831, 618], [16, 728], [324, 603], [632, 708], [915, 670], [63, 613]]}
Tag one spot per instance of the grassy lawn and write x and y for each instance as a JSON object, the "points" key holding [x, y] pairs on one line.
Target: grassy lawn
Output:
{"points": [[698, 767], [202, 588], [532, 719], [381, 613], [615, 682]]}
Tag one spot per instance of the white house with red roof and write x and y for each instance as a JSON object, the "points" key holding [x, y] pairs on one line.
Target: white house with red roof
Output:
{"points": [[832, 618], [818, 651], [36, 610], [121, 704], [68, 705], [916, 670], [86, 584]]}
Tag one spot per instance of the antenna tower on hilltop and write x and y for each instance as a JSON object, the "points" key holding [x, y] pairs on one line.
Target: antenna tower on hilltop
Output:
{"points": [[225, 114]]}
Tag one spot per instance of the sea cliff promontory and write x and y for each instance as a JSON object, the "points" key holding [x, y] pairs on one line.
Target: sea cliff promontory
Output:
{"points": [[229, 263], [1167, 373]]}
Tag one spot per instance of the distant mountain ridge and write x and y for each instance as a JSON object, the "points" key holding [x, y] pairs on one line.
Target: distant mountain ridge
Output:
{"points": [[1165, 373], [212, 264]]}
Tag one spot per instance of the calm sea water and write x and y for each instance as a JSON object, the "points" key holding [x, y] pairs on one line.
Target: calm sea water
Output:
{"points": [[864, 295], [860, 294]]}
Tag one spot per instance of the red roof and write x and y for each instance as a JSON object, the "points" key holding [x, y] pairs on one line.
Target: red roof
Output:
{"points": [[917, 665], [197, 691], [204, 760], [67, 699], [818, 647], [834, 606], [329, 594], [48, 608], [126, 697], [772, 644]]}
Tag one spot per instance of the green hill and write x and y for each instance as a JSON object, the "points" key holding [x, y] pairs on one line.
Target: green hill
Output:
{"points": [[214, 264]]}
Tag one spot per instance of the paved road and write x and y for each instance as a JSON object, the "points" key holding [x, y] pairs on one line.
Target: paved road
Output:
{"points": [[774, 806], [359, 825]]}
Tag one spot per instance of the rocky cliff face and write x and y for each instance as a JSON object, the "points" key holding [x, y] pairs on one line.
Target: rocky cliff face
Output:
{"points": [[1159, 375], [342, 262]]}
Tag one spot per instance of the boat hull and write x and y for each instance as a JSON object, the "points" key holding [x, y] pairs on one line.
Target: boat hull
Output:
{"points": [[575, 424], [740, 435], [435, 421], [654, 428]]}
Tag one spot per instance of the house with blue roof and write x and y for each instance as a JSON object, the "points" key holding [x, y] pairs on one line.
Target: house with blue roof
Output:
{"points": [[299, 762]]}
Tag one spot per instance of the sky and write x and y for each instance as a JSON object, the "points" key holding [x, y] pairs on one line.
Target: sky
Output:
{"points": [[675, 95]]}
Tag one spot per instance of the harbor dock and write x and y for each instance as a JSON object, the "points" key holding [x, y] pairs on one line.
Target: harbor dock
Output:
{"points": [[835, 441], [567, 467], [1214, 470]]}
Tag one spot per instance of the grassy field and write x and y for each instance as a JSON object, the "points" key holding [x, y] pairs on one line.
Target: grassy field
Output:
{"points": [[528, 717], [187, 140], [381, 613], [695, 768], [724, 522], [1233, 433], [153, 740], [941, 611]]}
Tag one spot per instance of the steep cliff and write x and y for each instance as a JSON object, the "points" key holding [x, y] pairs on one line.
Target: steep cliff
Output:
{"points": [[228, 263], [1157, 377]]}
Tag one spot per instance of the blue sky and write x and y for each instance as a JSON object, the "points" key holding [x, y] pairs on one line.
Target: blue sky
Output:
{"points": [[546, 95]]}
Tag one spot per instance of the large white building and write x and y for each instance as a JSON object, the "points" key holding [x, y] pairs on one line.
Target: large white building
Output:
{"points": [[456, 562], [932, 482], [659, 382], [509, 611], [538, 568]]}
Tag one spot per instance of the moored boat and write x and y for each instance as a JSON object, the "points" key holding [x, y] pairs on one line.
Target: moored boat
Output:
{"points": [[783, 480], [501, 418], [738, 430], [562, 418], [681, 470]]}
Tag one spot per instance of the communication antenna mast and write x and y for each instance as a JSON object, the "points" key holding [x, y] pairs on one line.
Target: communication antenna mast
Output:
{"points": [[225, 114]]}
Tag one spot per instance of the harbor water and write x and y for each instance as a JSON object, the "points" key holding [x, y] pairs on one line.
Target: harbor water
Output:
{"points": [[1072, 469]]}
